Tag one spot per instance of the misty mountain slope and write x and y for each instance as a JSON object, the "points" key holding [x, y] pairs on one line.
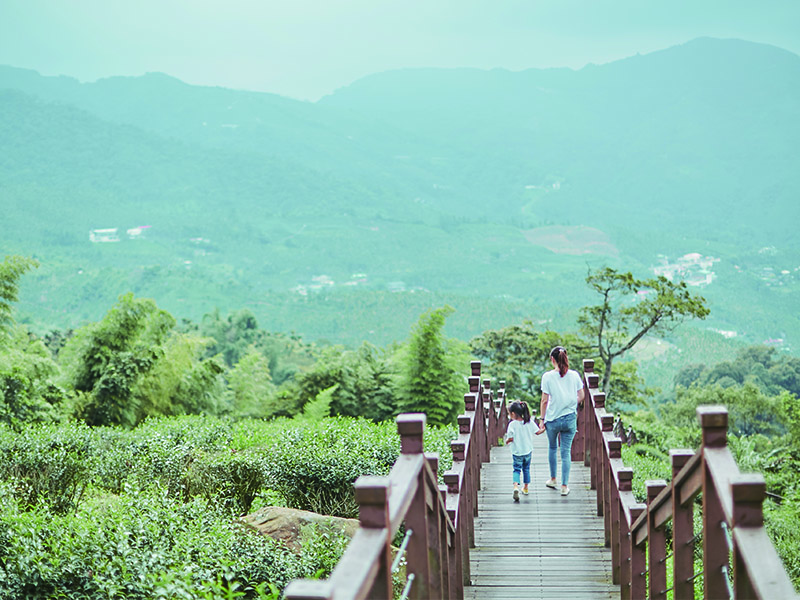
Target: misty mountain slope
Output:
{"points": [[498, 185], [680, 136], [325, 140], [113, 173]]}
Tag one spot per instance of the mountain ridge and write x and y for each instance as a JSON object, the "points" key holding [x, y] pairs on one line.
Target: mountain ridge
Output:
{"points": [[434, 188]]}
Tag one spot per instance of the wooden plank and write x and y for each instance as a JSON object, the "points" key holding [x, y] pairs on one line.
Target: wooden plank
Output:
{"points": [[544, 546]]}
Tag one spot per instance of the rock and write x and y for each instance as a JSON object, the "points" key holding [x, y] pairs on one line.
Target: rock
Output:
{"points": [[286, 524]]}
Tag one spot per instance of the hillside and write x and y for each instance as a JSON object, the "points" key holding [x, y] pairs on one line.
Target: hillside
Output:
{"points": [[490, 190]]}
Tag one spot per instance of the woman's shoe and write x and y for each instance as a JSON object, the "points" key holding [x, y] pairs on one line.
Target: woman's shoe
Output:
{"points": [[516, 495], [564, 491], [551, 484]]}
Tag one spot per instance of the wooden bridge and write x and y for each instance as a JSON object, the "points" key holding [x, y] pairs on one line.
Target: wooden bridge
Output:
{"points": [[468, 539]]}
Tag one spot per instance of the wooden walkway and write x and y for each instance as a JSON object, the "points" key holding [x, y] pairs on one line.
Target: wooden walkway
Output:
{"points": [[546, 546]]}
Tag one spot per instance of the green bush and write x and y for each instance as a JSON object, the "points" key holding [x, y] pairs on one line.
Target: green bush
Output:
{"points": [[47, 463], [313, 465], [143, 546], [231, 478]]}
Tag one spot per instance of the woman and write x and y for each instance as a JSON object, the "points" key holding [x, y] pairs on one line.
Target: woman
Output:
{"points": [[562, 390]]}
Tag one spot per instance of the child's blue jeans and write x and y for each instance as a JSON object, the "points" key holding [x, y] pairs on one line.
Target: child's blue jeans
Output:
{"points": [[522, 464]]}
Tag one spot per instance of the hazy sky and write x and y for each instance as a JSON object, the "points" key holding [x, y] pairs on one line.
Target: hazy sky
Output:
{"points": [[307, 48]]}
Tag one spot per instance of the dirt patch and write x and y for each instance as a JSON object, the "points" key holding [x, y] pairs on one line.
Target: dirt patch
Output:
{"points": [[578, 240]]}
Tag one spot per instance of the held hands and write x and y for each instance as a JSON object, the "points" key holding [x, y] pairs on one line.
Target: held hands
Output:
{"points": [[541, 428]]}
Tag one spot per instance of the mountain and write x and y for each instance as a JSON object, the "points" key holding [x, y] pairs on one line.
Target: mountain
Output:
{"points": [[459, 184]]}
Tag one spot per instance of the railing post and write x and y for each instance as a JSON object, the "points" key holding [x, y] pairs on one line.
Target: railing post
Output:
{"points": [[638, 559], [437, 558], [748, 493], [447, 544], [714, 422], [588, 413], [625, 485], [682, 532], [614, 451], [657, 543], [459, 553], [465, 495], [472, 467], [603, 485], [412, 428], [372, 495]]}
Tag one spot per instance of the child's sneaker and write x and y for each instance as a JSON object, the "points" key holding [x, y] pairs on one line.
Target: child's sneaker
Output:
{"points": [[516, 495]]}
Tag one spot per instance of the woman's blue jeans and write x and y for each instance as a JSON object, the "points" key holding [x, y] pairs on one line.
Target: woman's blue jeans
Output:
{"points": [[522, 464], [566, 425]]}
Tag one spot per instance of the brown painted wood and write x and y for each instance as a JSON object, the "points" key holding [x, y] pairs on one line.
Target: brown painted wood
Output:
{"points": [[544, 546]]}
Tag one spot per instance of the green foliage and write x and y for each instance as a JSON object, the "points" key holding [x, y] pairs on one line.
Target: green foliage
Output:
{"points": [[251, 385], [232, 336], [231, 479], [632, 308], [313, 465], [132, 364], [150, 512], [142, 546], [518, 355], [431, 378], [628, 389], [11, 269], [759, 365], [781, 521], [320, 407], [750, 411], [28, 389], [49, 465], [363, 378]]}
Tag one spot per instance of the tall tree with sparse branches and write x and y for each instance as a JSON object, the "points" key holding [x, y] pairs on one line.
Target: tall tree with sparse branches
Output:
{"points": [[632, 308]]}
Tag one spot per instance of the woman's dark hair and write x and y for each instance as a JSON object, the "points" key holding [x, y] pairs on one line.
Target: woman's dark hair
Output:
{"points": [[519, 407], [559, 353]]}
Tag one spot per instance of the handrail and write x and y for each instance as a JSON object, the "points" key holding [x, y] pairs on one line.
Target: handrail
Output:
{"points": [[732, 514], [441, 518]]}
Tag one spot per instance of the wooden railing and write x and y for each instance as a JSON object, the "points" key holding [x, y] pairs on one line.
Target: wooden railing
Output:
{"points": [[438, 520], [738, 559]]}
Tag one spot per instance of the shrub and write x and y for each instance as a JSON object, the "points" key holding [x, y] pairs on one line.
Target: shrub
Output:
{"points": [[313, 465], [143, 546], [47, 463], [231, 478]]}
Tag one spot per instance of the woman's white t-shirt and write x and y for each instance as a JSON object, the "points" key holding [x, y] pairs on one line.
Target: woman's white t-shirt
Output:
{"points": [[563, 392]]}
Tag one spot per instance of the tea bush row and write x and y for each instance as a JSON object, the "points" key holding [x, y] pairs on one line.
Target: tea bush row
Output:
{"points": [[309, 465], [143, 545]]}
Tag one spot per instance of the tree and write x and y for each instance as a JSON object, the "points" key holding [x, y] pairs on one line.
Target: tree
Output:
{"points": [[363, 380], [132, 364], [28, 392], [518, 355], [431, 370], [232, 336], [11, 269], [250, 384], [632, 308]]}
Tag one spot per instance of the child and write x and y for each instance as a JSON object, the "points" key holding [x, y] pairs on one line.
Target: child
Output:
{"points": [[520, 437]]}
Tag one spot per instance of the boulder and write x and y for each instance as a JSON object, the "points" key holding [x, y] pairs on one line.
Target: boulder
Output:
{"points": [[287, 524]]}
